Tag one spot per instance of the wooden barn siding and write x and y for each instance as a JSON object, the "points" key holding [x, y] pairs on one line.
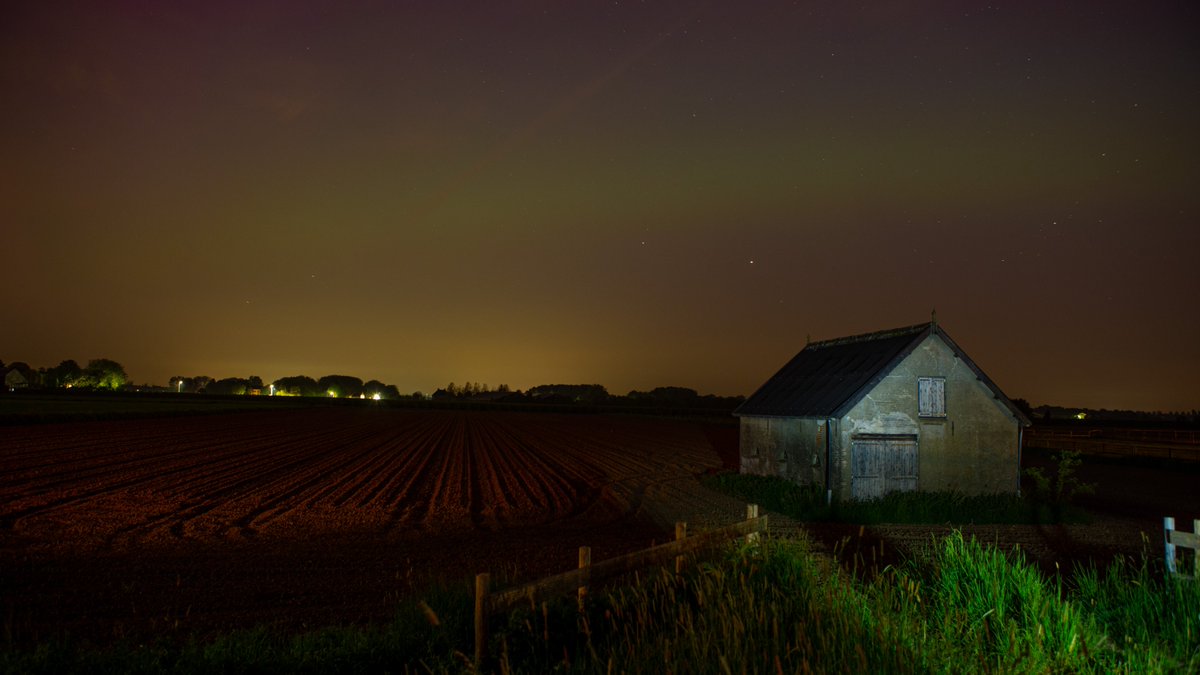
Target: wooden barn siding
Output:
{"points": [[883, 464], [972, 450], [791, 447]]}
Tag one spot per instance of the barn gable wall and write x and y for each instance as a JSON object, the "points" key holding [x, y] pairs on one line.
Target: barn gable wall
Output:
{"points": [[790, 447], [972, 450]]}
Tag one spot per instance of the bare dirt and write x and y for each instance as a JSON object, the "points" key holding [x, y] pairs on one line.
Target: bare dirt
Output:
{"points": [[140, 529]]}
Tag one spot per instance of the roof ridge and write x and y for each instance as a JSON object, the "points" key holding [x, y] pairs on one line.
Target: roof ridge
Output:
{"points": [[867, 337]]}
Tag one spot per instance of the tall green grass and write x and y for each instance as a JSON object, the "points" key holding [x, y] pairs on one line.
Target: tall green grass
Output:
{"points": [[777, 608], [1139, 608], [750, 612], [807, 503]]}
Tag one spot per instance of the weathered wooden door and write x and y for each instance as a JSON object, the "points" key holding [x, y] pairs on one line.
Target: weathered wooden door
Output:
{"points": [[882, 464]]}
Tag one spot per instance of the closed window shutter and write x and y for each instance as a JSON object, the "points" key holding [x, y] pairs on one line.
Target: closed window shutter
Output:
{"points": [[931, 396]]}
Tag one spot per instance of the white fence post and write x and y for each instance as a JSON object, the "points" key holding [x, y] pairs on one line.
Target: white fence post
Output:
{"points": [[1174, 539], [1169, 556], [1196, 550]]}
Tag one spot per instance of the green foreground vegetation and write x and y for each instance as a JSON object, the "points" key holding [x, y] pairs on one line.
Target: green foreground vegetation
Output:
{"points": [[765, 608]]}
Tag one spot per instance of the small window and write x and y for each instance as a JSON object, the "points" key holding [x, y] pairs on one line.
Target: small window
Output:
{"points": [[931, 396]]}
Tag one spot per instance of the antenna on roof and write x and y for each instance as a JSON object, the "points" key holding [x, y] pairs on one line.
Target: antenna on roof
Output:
{"points": [[933, 317]]}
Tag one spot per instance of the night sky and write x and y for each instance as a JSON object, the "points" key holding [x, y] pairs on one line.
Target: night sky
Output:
{"points": [[621, 193]]}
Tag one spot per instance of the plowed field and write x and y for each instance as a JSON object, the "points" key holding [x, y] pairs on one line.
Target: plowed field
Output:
{"points": [[313, 517]]}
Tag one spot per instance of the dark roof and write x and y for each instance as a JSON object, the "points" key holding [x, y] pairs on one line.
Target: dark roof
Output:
{"points": [[827, 378]]}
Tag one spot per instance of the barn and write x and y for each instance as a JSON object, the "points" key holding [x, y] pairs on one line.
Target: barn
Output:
{"points": [[901, 409]]}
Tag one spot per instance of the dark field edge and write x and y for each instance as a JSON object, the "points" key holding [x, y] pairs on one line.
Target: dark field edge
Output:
{"points": [[418, 633], [17, 409], [1174, 465], [808, 504]]}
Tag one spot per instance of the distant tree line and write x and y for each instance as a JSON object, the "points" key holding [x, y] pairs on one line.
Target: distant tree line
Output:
{"points": [[106, 374], [97, 374], [1053, 414], [339, 386], [336, 386], [673, 398], [229, 386]]}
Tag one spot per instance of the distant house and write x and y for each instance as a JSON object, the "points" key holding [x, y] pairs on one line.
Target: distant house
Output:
{"points": [[14, 379], [902, 409]]}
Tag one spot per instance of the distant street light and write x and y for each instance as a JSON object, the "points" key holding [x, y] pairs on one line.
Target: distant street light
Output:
{"points": [[272, 388], [179, 386]]}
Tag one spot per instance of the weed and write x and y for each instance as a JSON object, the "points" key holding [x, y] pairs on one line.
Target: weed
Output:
{"points": [[1059, 489]]}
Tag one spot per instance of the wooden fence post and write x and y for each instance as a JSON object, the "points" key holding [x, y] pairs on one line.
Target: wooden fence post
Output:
{"points": [[1173, 539], [481, 617], [751, 513], [574, 581], [1196, 551], [585, 560], [1169, 556], [680, 534]]}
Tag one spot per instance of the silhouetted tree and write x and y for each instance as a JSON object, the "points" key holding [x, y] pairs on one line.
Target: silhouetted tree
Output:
{"points": [[104, 374], [1023, 406], [65, 374], [341, 386], [297, 385], [582, 393], [373, 387], [229, 386]]}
